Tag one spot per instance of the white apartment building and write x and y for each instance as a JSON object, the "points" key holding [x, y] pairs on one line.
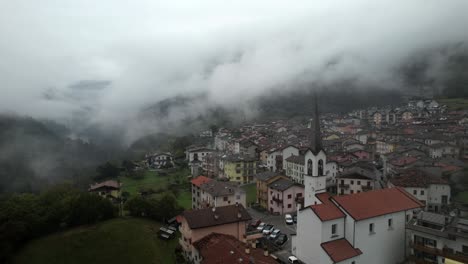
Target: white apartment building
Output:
{"points": [[433, 192]]}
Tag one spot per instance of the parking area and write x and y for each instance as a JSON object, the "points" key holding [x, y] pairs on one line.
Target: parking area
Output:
{"points": [[279, 222]]}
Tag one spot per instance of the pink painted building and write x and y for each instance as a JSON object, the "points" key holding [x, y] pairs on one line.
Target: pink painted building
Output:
{"points": [[196, 224], [282, 196]]}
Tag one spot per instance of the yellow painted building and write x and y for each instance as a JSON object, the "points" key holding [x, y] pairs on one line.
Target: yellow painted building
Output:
{"points": [[240, 169]]}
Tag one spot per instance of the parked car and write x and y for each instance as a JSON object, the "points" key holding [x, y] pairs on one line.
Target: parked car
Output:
{"points": [[282, 238], [295, 219], [255, 223], [261, 226], [164, 236], [289, 219], [293, 259], [268, 229], [274, 234]]}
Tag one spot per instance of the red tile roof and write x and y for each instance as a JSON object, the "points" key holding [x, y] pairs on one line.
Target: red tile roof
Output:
{"points": [[375, 203], [327, 210], [206, 217], [219, 249], [107, 184], [200, 180], [403, 161], [416, 178], [340, 249]]}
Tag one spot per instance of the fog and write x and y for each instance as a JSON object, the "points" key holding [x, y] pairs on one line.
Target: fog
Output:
{"points": [[102, 62]]}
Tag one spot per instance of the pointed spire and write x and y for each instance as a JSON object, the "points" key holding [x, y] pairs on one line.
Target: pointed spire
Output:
{"points": [[315, 134]]}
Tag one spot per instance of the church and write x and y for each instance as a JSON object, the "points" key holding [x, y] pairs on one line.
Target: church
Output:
{"points": [[367, 227]]}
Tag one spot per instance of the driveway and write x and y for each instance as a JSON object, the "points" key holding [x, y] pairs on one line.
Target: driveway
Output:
{"points": [[279, 222]]}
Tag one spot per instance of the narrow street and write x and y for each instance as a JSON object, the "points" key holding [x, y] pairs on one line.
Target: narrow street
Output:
{"points": [[279, 222]]}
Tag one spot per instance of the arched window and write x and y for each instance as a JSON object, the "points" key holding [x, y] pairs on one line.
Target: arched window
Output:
{"points": [[309, 167], [320, 167]]}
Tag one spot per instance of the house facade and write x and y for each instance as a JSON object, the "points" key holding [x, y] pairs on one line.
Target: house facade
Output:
{"points": [[263, 179], [196, 191], [240, 169], [108, 189], [283, 196], [353, 228], [354, 182], [433, 192], [196, 224]]}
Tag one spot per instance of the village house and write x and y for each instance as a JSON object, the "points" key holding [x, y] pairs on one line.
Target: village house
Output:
{"points": [[197, 224], [283, 196], [195, 157], [355, 182], [443, 150], [275, 159], [196, 191], [239, 169], [216, 193], [160, 160], [108, 189], [385, 147], [433, 192], [263, 179]]}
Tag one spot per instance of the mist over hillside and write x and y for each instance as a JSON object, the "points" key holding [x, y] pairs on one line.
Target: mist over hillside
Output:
{"points": [[35, 154]]}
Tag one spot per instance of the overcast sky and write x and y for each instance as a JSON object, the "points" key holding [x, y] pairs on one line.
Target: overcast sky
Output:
{"points": [[139, 52]]}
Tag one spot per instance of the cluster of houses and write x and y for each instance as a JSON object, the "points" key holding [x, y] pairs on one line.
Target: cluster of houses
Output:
{"points": [[371, 186]]}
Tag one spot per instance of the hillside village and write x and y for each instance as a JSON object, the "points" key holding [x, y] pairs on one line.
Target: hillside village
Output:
{"points": [[379, 185]]}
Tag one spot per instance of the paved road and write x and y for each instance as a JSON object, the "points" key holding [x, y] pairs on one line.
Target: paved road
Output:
{"points": [[279, 222]]}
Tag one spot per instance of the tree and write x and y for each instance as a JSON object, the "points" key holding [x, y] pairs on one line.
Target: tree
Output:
{"points": [[128, 165], [106, 171]]}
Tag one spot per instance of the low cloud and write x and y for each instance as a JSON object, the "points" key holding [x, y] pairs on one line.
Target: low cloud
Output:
{"points": [[143, 52]]}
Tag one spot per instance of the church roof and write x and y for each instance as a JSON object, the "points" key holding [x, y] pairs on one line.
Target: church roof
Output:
{"points": [[376, 203]]}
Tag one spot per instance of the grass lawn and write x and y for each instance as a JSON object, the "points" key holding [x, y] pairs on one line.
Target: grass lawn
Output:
{"points": [[462, 197], [155, 181], [185, 199], [251, 192], [151, 180], [116, 241], [455, 103]]}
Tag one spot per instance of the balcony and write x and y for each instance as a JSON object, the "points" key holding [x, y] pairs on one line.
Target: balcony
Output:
{"points": [[426, 249], [445, 252], [344, 186], [366, 188], [458, 256], [277, 200]]}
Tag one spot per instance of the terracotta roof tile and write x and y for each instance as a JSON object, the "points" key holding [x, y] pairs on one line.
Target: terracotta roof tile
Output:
{"points": [[109, 184], [375, 203], [222, 215], [340, 249], [219, 249], [416, 178], [198, 181], [327, 210]]}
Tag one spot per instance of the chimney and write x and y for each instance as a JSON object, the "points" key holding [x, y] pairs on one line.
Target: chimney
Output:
{"points": [[216, 217], [265, 252], [239, 215], [247, 250], [254, 244], [213, 209]]}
